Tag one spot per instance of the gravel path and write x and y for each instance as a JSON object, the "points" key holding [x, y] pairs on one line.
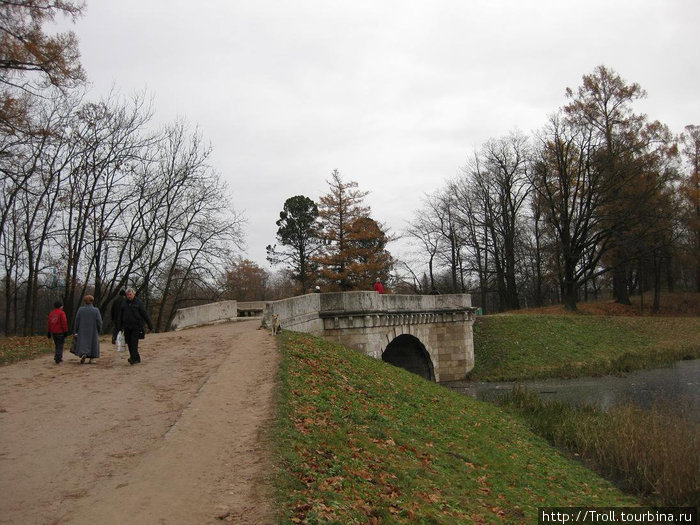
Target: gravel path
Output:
{"points": [[178, 439]]}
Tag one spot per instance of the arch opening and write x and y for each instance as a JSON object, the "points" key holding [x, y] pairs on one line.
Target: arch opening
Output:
{"points": [[407, 352]]}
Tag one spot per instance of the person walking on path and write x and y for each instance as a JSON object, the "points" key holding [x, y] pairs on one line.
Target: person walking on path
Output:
{"points": [[87, 328], [116, 306], [132, 316], [57, 328]]}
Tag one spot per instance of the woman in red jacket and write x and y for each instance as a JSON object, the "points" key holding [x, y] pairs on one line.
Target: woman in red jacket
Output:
{"points": [[378, 286], [57, 327]]}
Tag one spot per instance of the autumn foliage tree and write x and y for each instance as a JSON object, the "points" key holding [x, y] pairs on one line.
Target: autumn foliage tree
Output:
{"points": [[31, 59], [245, 281], [353, 252], [367, 256], [338, 210]]}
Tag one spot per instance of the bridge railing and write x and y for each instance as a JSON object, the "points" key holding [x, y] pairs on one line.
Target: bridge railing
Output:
{"points": [[390, 303], [306, 313], [204, 314]]}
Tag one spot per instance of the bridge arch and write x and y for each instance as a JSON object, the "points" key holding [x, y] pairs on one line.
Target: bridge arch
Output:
{"points": [[406, 351]]}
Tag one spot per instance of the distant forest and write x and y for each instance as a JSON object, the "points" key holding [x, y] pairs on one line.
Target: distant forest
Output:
{"points": [[601, 202]]}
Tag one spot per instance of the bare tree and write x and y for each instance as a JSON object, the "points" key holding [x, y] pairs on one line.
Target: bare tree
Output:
{"points": [[469, 202], [500, 174], [13, 264], [422, 229], [109, 140], [572, 192], [197, 228], [41, 199], [443, 212], [95, 202], [690, 191]]}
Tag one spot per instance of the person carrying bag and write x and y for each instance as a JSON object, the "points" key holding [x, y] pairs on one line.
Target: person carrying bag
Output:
{"points": [[120, 341], [131, 319]]}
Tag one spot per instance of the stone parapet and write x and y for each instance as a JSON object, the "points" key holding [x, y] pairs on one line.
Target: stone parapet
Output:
{"points": [[368, 302], [299, 314], [204, 314], [339, 320], [366, 321], [251, 308], [369, 322]]}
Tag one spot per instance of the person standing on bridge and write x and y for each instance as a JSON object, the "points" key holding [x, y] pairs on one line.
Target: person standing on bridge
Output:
{"points": [[131, 318], [378, 286]]}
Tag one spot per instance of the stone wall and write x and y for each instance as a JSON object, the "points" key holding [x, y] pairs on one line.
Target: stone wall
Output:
{"points": [[204, 314], [368, 302], [299, 314], [368, 322], [365, 321], [447, 337], [251, 308]]}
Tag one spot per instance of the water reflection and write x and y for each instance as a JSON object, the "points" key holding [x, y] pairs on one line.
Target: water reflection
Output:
{"points": [[677, 384]]}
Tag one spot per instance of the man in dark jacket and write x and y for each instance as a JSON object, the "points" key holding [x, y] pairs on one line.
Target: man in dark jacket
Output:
{"points": [[116, 307], [131, 318]]}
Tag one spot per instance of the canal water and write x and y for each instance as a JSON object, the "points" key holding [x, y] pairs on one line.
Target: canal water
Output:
{"points": [[678, 384]]}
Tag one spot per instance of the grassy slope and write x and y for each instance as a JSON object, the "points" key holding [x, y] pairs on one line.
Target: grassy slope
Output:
{"points": [[524, 346], [360, 441]]}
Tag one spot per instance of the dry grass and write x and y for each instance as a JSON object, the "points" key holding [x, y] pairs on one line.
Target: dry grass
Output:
{"points": [[657, 451], [652, 453], [679, 304]]}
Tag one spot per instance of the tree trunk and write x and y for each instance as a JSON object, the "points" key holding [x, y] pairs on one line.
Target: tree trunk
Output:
{"points": [[570, 296], [8, 302], [570, 287], [620, 289]]}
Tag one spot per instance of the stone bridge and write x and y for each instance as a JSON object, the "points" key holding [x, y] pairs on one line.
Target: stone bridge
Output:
{"points": [[430, 335]]}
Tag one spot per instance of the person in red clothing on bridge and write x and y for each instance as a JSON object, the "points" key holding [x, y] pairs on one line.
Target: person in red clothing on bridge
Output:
{"points": [[378, 286]]}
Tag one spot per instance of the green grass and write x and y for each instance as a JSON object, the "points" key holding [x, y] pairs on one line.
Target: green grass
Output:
{"points": [[360, 441], [14, 349], [525, 346]]}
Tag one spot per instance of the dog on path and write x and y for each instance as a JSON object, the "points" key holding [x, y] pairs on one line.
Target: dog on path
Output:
{"points": [[276, 327]]}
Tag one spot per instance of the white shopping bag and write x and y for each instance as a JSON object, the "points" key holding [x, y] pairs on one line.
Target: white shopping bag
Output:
{"points": [[121, 344]]}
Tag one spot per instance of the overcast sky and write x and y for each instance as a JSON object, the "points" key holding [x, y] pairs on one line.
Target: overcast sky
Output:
{"points": [[394, 94]]}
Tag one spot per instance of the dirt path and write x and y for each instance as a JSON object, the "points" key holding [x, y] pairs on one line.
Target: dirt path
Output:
{"points": [[174, 440]]}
